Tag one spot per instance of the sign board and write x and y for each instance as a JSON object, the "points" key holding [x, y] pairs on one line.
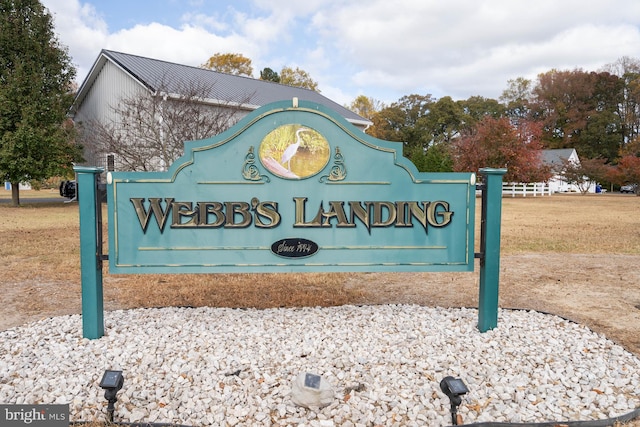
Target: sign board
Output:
{"points": [[293, 187]]}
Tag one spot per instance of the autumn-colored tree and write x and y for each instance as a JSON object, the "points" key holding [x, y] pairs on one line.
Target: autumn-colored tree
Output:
{"points": [[497, 143], [626, 171], [388, 124], [298, 78], [579, 110], [230, 63], [366, 106], [584, 173]]}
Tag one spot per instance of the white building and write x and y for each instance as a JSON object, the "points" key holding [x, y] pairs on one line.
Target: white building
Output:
{"points": [[556, 159]]}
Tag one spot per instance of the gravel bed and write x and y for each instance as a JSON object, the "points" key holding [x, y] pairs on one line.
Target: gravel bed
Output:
{"points": [[218, 366]]}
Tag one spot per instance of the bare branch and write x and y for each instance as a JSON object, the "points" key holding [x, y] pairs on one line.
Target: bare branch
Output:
{"points": [[149, 130]]}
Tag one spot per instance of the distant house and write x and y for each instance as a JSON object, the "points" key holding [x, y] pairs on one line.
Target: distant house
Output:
{"points": [[116, 76], [556, 159]]}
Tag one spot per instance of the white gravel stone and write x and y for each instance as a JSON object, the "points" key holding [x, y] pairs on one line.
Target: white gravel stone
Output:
{"points": [[218, 366]]}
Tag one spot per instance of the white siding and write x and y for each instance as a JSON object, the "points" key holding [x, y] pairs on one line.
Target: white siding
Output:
{"points": [[110, 86]]}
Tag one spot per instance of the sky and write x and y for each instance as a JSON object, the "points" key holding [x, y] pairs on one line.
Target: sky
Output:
{"points": [[378, 48]]}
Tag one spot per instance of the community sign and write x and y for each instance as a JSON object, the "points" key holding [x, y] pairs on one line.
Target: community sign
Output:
{"points": [[292, 187]]}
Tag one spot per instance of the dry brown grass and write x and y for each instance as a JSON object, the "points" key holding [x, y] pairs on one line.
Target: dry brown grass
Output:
{"points": [[572, 223], [40, 245]]}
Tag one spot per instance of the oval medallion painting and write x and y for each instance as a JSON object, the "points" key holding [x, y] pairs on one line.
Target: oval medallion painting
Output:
{"points": [[294, 151]]}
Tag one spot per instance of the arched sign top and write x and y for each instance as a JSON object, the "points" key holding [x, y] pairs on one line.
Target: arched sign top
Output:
{"points": [[354, 203], [272, 116]]}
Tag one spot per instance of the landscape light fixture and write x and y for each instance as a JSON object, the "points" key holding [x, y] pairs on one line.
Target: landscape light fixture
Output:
{"points": [[112, 382], [454, 388]]}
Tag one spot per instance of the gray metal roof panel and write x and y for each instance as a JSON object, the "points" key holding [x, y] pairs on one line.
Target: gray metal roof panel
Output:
{"points": [[556, 156], [155, 74]]}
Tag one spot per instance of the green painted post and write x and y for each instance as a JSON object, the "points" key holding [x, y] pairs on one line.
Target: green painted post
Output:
{"points": [[490, 248], [90, 262]]}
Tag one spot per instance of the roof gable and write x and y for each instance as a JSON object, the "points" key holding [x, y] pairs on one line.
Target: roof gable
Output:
{"points": [[246, 92], [556, 157]]}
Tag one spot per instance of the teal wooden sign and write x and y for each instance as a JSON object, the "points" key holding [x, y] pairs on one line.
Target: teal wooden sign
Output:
{"points": [[293, 187]]}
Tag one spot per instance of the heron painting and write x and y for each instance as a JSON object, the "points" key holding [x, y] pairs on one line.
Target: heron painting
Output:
{"points": [[292, 149]]}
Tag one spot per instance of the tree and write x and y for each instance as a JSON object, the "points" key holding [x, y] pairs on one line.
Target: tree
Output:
{"points": [[579, 110], [149, 130], [497, 143], [628, 70], [445, 121], [36, 74], [517, 97], [631, 148], [388, 123], [423, 125], [230, 63], [366, 106], [298, 78], [399, 121], [413, 126], [436, 159], [476, 107], [627, 171], [584, 173], [269, 75]]}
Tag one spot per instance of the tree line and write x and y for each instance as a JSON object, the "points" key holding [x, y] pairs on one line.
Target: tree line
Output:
{"points": [[239, 65], [596, 113]]}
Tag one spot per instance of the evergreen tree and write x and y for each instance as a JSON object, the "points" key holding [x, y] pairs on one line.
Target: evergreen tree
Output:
{"points": [[36, 77], [269, 75]]}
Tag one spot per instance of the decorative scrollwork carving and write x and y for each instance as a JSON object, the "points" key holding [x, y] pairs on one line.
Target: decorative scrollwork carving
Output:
{"points": [[250, 171], [338, 170]]}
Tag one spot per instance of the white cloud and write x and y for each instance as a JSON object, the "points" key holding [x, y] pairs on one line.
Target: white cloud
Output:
{"points": [[80, 28], [462, 47], [378, 48], [265, 29], [187, 45]]}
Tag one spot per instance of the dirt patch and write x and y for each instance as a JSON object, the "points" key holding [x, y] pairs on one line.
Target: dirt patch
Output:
{"points": [[602, 293]]}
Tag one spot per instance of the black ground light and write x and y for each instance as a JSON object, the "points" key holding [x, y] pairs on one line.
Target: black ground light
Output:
{"points": [[454, 388], [112, 382]]}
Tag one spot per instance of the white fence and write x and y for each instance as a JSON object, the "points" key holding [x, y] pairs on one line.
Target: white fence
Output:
{"points": [[534, 189]]}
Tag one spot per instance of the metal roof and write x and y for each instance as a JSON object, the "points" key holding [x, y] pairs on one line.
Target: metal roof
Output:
{"points": [[224, 88], [556, 156]]}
